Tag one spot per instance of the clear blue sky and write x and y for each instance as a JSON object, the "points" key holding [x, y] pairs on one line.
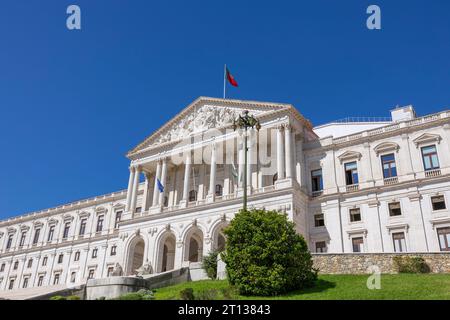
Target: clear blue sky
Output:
{"points": [[74, 102]]}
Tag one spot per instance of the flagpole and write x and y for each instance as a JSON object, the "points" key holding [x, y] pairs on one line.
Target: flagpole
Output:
{"points": [[224, 80]]}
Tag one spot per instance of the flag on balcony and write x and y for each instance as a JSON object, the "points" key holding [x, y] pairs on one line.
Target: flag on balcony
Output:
{"points": [[160, 186]]}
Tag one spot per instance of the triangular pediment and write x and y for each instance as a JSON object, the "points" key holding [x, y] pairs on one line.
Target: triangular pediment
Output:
{"points": [[203, 114], [349, 155], [426, 138]]}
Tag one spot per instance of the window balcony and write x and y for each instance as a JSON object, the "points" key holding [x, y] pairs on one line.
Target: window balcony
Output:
{"points": [[352, 188], [432, 173], [390, 181], [317, 193]]}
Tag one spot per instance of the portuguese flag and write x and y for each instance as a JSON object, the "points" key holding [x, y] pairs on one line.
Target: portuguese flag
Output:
{"points": [[231, 79]]}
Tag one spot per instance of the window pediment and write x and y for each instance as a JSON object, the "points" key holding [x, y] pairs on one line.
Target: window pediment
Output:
{"points": [[118, 206], [349, 155], [11, 230], [38, 224], [385, 147], [67, 218], [84, 214], [100, 210], [52, 222], [24, 228], [427, 138]]}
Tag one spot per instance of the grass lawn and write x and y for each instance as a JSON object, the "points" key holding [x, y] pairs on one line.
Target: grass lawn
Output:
{"points": [[337, 287]]}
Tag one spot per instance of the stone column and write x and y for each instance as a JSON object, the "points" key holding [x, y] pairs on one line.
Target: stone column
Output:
{"points": [[226, 180], [163, 182], [280, 153], [212, 175], [155, 187], [130, 188], [250, 159], [146, 196], [240, 160], [187, 172], [288, 150], [135, 189], [201, 182]]}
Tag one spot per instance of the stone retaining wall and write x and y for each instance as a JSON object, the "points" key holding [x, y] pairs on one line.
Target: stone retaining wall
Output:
{"points": [[354, 263]]}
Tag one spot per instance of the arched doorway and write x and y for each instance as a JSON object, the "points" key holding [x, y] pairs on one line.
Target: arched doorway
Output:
{"points": [[166, 252], [136, 255], [193, 245], [218, 237]]}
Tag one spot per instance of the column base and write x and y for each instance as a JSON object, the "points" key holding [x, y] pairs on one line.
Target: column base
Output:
{"points": [[183, 204], [155, 209], [210, 198], [285, 183]]}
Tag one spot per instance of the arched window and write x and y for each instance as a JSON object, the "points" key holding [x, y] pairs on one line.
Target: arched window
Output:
{"points": [[275, 178], [219, 190], [192, 195]]}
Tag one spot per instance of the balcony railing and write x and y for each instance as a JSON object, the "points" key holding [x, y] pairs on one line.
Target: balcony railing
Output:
{"points": [[390, 181], [433, 173], [318, 193], [352, 188]]}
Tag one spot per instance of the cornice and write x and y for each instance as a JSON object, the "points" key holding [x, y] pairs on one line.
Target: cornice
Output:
{"points": [[394, 129], [77, 205]]}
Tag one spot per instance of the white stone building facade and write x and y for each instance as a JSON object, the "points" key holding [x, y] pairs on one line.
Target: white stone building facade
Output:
{"points": [[348, 186]]}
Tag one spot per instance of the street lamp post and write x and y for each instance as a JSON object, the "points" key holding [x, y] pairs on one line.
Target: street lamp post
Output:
{"points": [[244, 122]]}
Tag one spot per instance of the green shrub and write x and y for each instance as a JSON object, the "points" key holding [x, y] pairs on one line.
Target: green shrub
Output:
{"points": [[265, 255], [207, 294], [73, 298], [58, 298], [187, 294], [142, 294], [406, 264], [209, 264]]}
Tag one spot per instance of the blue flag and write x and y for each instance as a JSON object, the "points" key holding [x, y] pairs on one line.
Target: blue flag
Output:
{"points": [[160, 186]]}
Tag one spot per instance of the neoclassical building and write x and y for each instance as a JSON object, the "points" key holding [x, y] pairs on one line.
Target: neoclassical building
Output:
{"points": [[355, 185]]}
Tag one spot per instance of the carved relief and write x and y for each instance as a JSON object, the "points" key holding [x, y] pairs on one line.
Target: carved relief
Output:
{"points": [[205, 118]]}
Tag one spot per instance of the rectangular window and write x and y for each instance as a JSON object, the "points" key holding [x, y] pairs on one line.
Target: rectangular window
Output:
{"points": [[355, 215], [44, 261], [22, 239], [395, 209], [60, 258], [30, 263], [56, 279], [94, 253], [10, 240], [358, 244], [91, 274], [399, 242], [40, 281], [138, 209], [36, 236], [2, 267], [389, 167], [118, 217], [100, 223], [430, 158], [25, 282], [16, 265], [351, 173], [316, 180], [110, 271], [73, 277], [66, 230], [444, 238], [82, 227], [438, 203], [319, 220], [113, 250], [51, 232], [321, 246], [77, 256], [11, 284]]}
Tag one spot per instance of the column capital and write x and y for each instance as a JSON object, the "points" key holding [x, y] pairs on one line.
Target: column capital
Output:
{"points": [[287, 126]]}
